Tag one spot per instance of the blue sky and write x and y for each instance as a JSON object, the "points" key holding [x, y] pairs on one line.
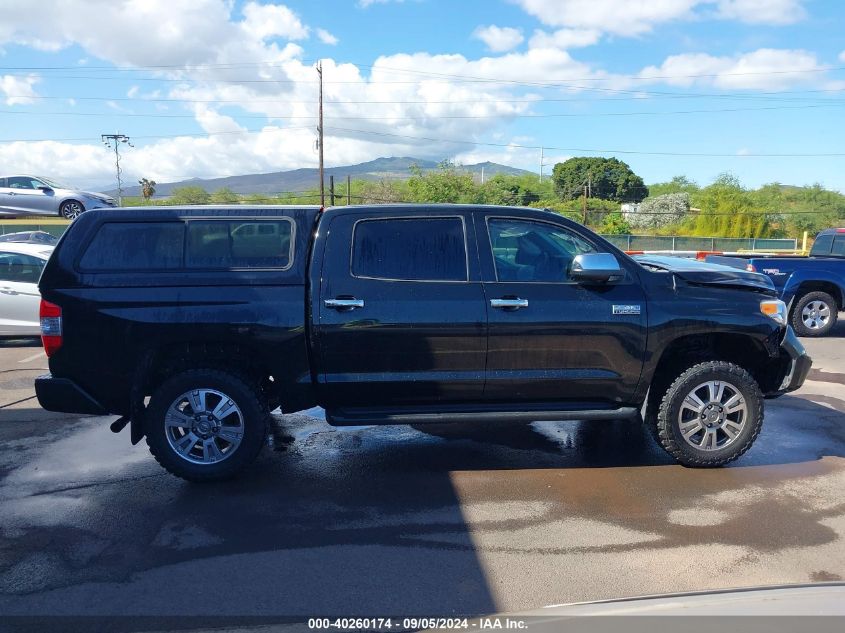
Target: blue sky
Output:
{"points": [[211, 88]]}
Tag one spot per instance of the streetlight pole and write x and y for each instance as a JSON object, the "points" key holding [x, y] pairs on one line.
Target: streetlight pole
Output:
{"points": [[116, 140]]}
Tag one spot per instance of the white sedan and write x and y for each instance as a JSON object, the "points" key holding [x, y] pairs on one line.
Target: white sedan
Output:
{"points": [[20, 269]]}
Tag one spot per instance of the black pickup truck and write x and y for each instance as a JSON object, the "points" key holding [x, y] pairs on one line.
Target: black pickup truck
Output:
{"points": [[193, 323]]}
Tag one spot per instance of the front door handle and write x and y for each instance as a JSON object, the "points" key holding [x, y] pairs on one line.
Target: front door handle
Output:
{"points": [[344, 304], [509, 304]]}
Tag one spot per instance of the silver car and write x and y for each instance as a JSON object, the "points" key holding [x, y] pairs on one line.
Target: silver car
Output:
{"points": [[20, 269], [35, 195]]}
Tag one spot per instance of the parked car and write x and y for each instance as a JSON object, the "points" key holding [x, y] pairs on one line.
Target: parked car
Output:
{"points": [[36, 195], [813, 287], [203, 320], [20, 268], [30, 237]]}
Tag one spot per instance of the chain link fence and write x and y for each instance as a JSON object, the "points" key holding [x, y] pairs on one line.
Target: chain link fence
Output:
{"points": [[680, 243]]}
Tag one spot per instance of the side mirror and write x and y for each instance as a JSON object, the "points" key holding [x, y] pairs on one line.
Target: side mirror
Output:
{"points": [[595, 267], [46, 189]]}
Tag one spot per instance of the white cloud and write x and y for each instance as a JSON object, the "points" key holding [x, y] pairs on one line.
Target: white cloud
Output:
{"points": [[270, 20], [18, 90], [565, 38], [762, 11], [326, 38], [499, 38], [763, 69], [622, 17], [635, 17]]}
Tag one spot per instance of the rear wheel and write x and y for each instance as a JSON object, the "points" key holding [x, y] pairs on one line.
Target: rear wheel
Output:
{"points": [[206, 424], [71, 209], [710, 415], [814, 314]]}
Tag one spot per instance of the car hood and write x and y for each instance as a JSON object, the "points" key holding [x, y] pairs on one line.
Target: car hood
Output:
{"points": [[702, 273]]}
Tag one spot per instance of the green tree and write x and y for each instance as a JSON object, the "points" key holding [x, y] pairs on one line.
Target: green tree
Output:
{"points": [[678, 184], [511, 190], [661, 211], [190, 194], [608, 179], [224, 195], [445, 184], [148, 188], [615, 224]]}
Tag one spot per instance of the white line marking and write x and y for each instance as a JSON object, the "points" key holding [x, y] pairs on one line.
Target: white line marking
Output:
{"points": [[29, 359]]}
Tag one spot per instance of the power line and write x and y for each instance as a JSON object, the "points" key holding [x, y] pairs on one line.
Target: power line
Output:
{"points": [[502, 115], [582, 149]]}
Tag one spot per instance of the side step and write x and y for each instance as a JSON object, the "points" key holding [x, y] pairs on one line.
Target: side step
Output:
{"points": [[351, 417]]}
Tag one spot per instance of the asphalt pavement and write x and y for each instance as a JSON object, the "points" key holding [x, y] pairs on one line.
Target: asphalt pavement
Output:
{"points": [[401, 520]]}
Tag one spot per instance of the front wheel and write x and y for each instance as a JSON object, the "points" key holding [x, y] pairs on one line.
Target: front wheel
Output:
{"points": [[710, 415], [71, 209], [814, 314], [206, 424]]}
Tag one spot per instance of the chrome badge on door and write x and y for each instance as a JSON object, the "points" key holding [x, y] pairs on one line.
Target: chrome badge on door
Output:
{"points": [[626, 309]]}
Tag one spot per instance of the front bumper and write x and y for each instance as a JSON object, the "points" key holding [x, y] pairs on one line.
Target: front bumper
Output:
{"points": [[799, 363], [65, 396]]}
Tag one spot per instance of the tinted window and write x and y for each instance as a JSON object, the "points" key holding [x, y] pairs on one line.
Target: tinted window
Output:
{"points": [[838, 246], [21, 182], [20, 268], [430, 249], [136, 246], [533, 251], [822, 245], [239, 244]]}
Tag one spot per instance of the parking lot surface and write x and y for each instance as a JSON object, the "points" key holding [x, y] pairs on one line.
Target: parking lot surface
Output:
{"points": [[401, 520]]}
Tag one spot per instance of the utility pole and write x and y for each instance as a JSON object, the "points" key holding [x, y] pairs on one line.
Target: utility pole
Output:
{"points": [[116, 140], [331, 188], [348, 190], [320, 136], [541, 164], [584, 211]]}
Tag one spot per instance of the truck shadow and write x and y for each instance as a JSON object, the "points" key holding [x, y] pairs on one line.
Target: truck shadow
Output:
{"points": [[359, 521]]}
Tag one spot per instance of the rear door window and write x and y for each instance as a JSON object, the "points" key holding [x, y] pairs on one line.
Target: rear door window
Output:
{"points": [[838, 246], [410, 249], [822, 244], [120, 246], [240, 244], [20, 268]]}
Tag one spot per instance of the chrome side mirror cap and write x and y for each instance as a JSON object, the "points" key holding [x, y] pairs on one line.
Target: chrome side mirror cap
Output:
{"points": [[595, 268]]}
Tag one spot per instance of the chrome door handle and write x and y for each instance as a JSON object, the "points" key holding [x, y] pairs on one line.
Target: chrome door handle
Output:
{"points": [[344, 304], [513, 304]]}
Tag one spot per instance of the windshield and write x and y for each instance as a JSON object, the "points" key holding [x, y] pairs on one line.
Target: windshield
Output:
{"points": [[54, 184]]}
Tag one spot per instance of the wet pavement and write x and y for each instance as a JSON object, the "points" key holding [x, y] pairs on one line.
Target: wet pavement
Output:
{"points": [[394, 521]]}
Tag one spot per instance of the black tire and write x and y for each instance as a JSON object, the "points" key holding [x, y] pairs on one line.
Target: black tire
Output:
{"points": [[71, 209], [252, 408], [810, 300], [668, 421]]}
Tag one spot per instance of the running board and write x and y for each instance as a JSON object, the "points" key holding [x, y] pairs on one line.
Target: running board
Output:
{"points": [[346, 417]]}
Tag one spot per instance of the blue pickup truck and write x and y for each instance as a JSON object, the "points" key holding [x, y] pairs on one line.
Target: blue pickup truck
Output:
{"points": [[813, 287]]}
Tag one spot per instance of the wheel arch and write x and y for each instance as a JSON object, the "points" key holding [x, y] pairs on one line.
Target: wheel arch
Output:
{"points": [[756, 356], [156, 364]]}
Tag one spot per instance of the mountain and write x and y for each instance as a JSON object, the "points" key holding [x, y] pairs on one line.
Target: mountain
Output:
{"points": [[308, 178]]}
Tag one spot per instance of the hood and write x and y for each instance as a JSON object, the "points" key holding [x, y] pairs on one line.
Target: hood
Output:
{"points": [[702, 273], [98, 196]]}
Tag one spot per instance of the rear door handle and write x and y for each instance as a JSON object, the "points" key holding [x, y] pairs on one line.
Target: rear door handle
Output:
{"points": [[511, 304], [344, 304]]}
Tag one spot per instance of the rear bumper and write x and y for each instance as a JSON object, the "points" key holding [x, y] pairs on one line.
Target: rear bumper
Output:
{"points": [[65, 396], [799, 363]]}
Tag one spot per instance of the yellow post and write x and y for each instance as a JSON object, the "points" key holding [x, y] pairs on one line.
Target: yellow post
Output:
{"points": [[804, 244]]}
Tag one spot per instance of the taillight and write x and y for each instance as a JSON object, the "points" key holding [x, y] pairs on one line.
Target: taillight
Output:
{"points": [[51, 326], [750, 267]]}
